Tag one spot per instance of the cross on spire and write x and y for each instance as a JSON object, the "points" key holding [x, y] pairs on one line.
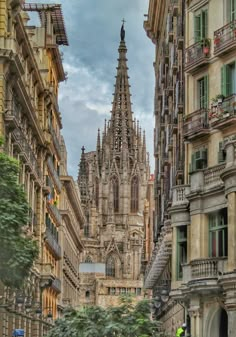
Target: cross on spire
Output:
{"points": [[123, 21]]}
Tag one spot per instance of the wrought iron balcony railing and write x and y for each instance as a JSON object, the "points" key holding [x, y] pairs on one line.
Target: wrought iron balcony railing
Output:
{"points": [[27, 152], [54, 211], [56, 285], [52, 242], [222, 113], [55, 139], [54, 174], [225, 38], [197, 55], [196, 124]]}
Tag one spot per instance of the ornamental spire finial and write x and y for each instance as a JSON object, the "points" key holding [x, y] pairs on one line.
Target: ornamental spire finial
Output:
{"points": [[122, 31]]}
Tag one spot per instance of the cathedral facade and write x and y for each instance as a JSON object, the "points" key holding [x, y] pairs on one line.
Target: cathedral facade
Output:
{"points": [[113, 185]]}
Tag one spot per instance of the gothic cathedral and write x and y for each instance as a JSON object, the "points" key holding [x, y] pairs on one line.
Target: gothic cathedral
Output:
{"points": [[113, 185]]}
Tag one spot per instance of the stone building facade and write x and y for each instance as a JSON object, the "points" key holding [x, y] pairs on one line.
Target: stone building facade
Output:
{"points": [[113, 184], [30, 122], [164, 26], [202, 210]]}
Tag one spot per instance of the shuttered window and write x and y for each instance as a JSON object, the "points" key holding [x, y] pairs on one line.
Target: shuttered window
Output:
{"points": [[228, 79], [201, 25], [203, 92], [218, 245]]}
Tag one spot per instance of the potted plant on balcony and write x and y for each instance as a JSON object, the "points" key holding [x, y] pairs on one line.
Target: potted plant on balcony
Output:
{"points": [[214, 102], [217, 40], [220, 98], [206, 44]]}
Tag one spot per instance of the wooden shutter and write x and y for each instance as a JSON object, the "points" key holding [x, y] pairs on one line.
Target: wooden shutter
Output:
{"points": [[206, 92], [223, 80], [197, 28], [232, 10], [204, 24]]}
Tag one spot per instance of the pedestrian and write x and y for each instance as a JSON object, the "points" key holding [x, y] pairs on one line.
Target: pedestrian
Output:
{"points": [[180, 332]]}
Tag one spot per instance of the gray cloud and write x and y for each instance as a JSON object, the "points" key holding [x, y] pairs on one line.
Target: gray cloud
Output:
{"points": [[93, 28]]}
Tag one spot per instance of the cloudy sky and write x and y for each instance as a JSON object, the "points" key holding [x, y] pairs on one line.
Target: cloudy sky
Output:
{"points": [[93, 29]]}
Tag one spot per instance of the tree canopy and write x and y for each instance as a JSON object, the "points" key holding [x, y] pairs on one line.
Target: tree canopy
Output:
{"points": [[17, 252], [126, 320]]}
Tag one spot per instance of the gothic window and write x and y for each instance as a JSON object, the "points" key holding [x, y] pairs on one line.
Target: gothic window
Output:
{"points": [[86, 230], [110, 267], [88, 259], [115, 183], [97, 192], [134, 194]]}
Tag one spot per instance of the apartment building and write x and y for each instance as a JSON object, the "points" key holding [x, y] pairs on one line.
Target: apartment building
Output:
{"points": [[164, 25], [30, 122], [203, 207]]}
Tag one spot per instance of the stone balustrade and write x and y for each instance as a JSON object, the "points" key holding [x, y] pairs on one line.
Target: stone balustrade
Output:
{"points": [[179, 195]]}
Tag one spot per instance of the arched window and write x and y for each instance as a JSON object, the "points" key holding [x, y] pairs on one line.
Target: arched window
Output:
{"points": [[134, 194], [87, 294], [97, 192], [115, 183], [88, 259], [110, 267]]}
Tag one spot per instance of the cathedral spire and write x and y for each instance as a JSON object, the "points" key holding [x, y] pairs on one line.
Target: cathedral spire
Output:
{"points": [[82, 178], [121, 107]]}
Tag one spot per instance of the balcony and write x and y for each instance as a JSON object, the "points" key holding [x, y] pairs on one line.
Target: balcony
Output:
{"points": [[196, 124], [26, 152], [179, 195], [197, 55], [56, 285], [223, 114], [12, 114], [53, 244], [46, 274], [54, 174], [212, 177], [56, 141], [55, 213], [225, 39], [203, 274]]}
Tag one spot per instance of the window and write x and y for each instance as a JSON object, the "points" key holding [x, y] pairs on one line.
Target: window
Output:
{"points": [[138, 291], [87, 294], [86, 230], [221, 153], [134, 194], [202, 86], [181, 249], [110, 267], [201, 25], [115, 183], [228, 74], [111, 291], [218, 245], [123, 291], [199, 160]]}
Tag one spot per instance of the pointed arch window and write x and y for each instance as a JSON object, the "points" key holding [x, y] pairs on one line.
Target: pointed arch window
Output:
{"points": [[115, 184], [134, 194], [110, 267], [97, 192]]}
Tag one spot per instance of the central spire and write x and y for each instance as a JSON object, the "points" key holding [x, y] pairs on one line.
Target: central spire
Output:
{"points": [[121, 118]]}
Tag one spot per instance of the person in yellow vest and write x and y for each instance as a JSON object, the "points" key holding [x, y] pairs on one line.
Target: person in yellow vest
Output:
{"points": [[181, 331]]}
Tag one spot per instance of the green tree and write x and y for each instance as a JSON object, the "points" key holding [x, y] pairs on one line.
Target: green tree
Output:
{"points": [[17, 252], [125, 320]]}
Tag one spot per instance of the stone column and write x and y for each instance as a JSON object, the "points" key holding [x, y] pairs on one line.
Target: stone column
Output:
{"points": [[195, 313], [228, 281]]}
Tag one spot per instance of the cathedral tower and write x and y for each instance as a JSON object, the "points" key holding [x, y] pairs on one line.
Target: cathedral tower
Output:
{"points": [[113, 184]]}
